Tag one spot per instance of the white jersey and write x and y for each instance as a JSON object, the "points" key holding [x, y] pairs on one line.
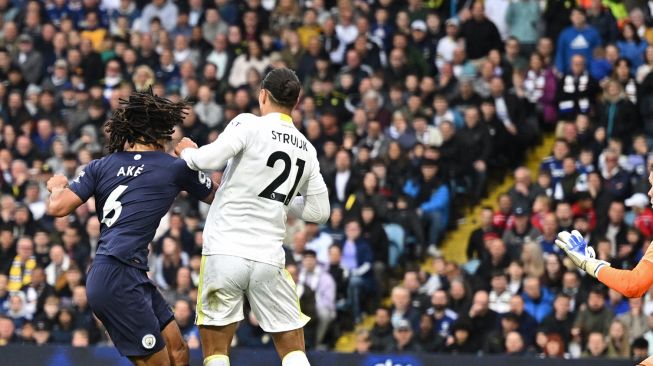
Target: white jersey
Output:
{"points": [[268, 162]]}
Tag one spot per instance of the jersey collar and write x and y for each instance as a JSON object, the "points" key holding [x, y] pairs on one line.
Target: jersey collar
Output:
{"points": [[285, 118]]}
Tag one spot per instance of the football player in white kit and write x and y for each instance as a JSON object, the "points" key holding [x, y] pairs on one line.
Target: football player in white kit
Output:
{"points": [[268, 163]]}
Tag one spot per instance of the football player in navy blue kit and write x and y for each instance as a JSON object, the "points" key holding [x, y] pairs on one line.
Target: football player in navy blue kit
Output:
{"points": [[133, 187]]}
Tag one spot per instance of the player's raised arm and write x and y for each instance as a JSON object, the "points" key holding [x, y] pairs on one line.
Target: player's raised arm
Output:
{"points": [[63, 201], [215, 155], [630, 283]]}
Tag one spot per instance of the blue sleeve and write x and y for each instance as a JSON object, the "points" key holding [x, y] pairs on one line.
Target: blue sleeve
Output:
{"points": [[85, 183], [197, 183], [366, 255], [438, 201], [561, 54], [458, 120], [411, 189], [597, 40]]}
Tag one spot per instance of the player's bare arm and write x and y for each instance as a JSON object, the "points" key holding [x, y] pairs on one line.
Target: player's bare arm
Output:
{"points": [[185, 143], [63, 201]]}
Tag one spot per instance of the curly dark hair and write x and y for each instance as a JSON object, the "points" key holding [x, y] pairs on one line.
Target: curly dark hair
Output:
{"points": [[143, 118]]}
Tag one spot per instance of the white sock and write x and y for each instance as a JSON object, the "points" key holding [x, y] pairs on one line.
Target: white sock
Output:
{"points": [[295, 358], [216, 360]]}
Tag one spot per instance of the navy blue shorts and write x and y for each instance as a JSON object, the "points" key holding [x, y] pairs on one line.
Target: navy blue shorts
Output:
{"points": [[129, 305]]}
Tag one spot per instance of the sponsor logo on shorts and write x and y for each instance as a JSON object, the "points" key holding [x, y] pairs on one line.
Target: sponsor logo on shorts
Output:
{"points": [[149, 341]]}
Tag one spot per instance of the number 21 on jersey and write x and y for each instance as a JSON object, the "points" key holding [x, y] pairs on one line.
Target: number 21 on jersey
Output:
{"points": [[270, 191]]}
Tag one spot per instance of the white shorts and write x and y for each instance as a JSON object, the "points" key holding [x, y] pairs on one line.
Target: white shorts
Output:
{"points": [[224, 282]]}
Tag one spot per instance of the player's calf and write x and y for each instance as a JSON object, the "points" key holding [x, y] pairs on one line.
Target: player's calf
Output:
{"points": [[290, 347], [177, 347]]}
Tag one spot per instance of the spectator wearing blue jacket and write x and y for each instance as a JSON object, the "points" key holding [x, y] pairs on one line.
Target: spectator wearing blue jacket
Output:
{"points": [[632, 47], [431, 198], [577, 39], [538, 300]]}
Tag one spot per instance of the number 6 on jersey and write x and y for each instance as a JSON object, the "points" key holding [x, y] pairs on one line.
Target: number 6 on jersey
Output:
{"points": [[112, 204]]}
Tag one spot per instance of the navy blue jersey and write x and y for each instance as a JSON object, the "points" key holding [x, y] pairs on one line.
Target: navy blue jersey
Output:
{"points": [[133, 191]]}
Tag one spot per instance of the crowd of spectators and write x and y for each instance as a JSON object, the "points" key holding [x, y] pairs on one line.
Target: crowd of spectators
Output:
{"points": [[413, 106]]}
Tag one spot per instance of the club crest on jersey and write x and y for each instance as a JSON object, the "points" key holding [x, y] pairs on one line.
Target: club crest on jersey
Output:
{"points": [[149, 341]]}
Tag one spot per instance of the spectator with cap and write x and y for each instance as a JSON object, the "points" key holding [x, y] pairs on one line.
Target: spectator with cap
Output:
{"points": [[404, 338], [28, 59], [642, 215], [42, 332], [448, 43], [432, 198], [521, 231]]}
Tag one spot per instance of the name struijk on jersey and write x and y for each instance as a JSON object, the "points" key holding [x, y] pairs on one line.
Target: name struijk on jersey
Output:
{"points": [[290, 139]]}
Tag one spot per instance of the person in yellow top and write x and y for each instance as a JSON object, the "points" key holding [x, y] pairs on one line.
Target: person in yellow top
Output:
{"points": [[309, 28], [93, 31], [20, 273], [630, 283]]}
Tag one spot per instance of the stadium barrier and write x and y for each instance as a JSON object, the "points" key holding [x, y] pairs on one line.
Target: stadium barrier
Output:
{"points": [[106, 356]]}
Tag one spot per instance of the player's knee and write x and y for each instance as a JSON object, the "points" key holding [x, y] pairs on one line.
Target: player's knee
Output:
{"points": [[295, 358]]}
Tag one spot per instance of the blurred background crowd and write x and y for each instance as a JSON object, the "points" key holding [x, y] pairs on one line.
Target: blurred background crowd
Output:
{"points": [[414, 107]]}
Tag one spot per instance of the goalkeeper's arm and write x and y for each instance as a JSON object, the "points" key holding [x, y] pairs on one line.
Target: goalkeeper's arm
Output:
{"points": [[312, 208], [630, 283]]}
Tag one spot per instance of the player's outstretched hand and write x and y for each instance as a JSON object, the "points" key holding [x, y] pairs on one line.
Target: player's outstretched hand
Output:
{"points": [[183, 144], [58, 181], [579, 252]]}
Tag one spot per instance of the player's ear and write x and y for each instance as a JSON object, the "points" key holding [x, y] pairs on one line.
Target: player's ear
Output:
{"points": [[262, 97]]}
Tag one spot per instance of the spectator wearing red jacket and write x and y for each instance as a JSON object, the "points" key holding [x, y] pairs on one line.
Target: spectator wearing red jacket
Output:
{"points": [[584, 207], [640, 204]]}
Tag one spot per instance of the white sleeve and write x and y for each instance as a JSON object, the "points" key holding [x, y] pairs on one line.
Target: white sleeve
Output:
{"points": [[312, 208], [215, 155], [315, 183]]}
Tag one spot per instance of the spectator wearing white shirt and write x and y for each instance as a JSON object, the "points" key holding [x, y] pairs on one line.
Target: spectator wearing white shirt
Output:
{"points": [[447, 44], [59, 264], [500, 294]]}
